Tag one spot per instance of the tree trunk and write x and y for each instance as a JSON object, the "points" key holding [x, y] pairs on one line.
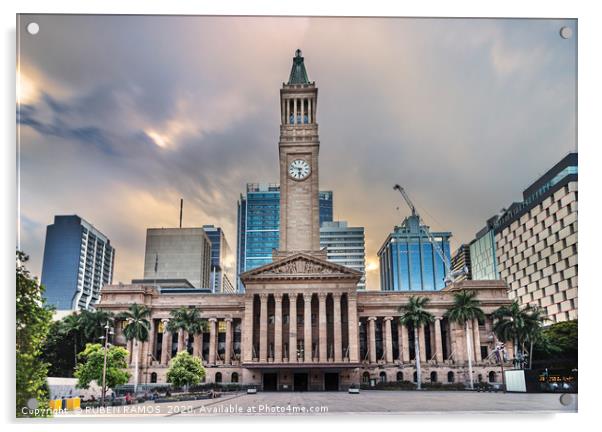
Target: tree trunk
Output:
{"points": [[469, 353], [417, 357], [531, 355], [135, 366]]}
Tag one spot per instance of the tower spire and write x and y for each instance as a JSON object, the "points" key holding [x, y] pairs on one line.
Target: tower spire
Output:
{"points": [[298, 73]]}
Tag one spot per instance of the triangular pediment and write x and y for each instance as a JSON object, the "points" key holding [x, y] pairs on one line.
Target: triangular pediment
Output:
{"points": [[301, 266]]}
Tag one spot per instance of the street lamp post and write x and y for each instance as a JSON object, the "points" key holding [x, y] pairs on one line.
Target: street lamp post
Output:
{"points": [[108, 331]]}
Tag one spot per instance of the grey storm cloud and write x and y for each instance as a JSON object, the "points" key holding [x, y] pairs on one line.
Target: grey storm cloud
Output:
{"points": [[126, 114]]}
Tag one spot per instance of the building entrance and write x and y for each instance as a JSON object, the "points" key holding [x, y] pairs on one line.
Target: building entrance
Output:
{"points": [[331, 381], [270, 382], [301, 382]]}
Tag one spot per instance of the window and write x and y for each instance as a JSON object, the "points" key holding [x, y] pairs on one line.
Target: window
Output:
{"points": [[450, 377], [399, 376], [492, 377], [433, 377], [218, 377], [366, 378], [234, 378], [383, 377]]}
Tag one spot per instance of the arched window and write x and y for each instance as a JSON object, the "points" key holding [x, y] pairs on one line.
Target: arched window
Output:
{"points": [[366, 378], [218, 377], [154, 377], [234, 378], [399, 376], [450, 377], [383, 377], [492, 377], [415, 377], [433, 376]]}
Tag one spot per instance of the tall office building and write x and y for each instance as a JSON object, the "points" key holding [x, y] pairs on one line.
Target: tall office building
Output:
{"points": [[483, 262], [536, 243], [460, 261], [222, 261], [178, 257], [408, 260], [78, 261], [259, 224], [345, 246]]}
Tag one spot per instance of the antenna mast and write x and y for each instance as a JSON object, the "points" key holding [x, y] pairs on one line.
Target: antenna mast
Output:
{"points": [[181, 210]]}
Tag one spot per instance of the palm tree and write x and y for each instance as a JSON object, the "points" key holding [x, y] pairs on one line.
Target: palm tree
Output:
{"points": [[415, 313], [520, 325], [466, 309], [92, 324], [137, 330], [187, 320], [71, 325]]}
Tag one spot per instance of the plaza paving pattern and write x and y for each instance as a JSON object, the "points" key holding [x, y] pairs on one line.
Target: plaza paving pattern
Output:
{"points": [[326, 403]]}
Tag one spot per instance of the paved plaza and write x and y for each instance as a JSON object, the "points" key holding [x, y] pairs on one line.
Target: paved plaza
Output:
{"points": [[367, 402]]}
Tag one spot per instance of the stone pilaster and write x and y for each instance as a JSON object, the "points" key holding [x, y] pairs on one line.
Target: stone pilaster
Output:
{"points": [[181, 340], [372, 338], [197, 347], [212, 340], [353, 336], [277, 328], [322, 329], [438, 341], [247, 330], [292, 328], [263, 328], [388, 340], [337, 322], [228, 351], [405, 344], [165, 343], [307, 327]]}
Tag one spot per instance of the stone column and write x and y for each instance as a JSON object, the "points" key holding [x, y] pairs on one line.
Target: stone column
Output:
{"points": [[353, 337], [399, 338], [476, 339], [295, 111], [247, 330], [336, 322], [197, 347], [164, 343], [181, 340], [283, 114], [292, 328], [309, 106], [263, 328], [278, 328], [228, 351], [438, 343], [307, 327], [422, 344], [372, 338], [405, 341], [322, 328], [388, 340], [212, 338]]}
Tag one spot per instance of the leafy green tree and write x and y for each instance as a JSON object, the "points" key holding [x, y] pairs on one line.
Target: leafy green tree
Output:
{"points": [[92, 362], [137, 330], [185, 370], [186, 320], [71, 326], [518, 324], [33, 319], [57, 351], [414, 313], [465, 309], [557, 345]]}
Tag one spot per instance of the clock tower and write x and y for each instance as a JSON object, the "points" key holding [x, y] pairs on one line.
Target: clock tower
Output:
{"points": [[299, 147]]}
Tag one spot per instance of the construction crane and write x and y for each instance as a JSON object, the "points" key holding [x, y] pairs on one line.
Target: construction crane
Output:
{"points": [[450, 276]]}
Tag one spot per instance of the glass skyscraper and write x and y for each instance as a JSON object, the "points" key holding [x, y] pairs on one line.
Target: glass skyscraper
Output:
{"points": [[78, 262], [258, 222], [483, 263], [408, 260], [221, 260], [345, 246]]}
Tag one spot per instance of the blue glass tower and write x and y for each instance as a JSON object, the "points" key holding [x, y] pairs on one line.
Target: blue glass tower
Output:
{"points": [[408, 260], [258, 222], [78, 262]]}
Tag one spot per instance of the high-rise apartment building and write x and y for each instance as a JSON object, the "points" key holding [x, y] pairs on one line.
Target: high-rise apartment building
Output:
{"points": [[345, 245], [178, 254], [78, 261], [460, 263], [410, 261], [259, 224], [222, 261]]}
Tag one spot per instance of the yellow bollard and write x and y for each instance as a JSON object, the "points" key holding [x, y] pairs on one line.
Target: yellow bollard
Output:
{"points": [[70, 404], [76, 403]]}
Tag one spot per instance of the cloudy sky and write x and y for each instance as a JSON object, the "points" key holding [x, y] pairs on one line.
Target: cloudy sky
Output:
{"points": [[121, 116]]}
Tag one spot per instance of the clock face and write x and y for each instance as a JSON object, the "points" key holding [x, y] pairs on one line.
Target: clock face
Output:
{"points": [[299, 169]]}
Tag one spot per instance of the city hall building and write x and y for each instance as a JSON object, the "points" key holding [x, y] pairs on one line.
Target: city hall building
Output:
{"points": [[301, 323]]}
